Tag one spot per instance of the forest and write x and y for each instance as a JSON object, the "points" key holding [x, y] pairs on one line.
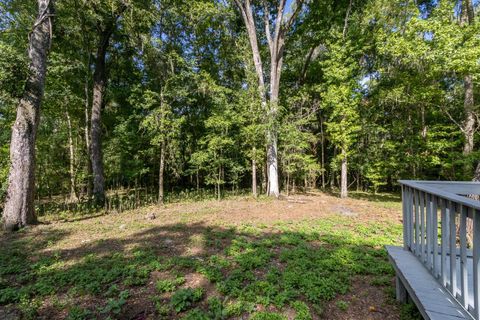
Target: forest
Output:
{"points": [[173, 96], [232, 159]]}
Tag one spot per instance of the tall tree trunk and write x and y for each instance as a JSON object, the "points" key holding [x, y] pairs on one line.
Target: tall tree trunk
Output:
{"points": [[219, 195], [272, 161], [272, 149], [264, 180], [161, 174], [87, 137], [322, 141], [99, 85], [71, 149], [275, 40], [254, 178], [343, 180], [19, 206], [469, 122], [198, 180], [466, 18], [86, 89], [288, 184]]}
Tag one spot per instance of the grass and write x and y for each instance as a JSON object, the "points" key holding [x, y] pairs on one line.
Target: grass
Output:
{"points": [[236, 258]]}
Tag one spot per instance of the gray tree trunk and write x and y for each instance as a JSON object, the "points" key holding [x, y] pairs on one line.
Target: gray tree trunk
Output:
{"points": [[19, 206], [161, 174], [344, 175], [466, 18], [322, 141], [87, 139], [71, 153], [468, 129], [99, 86], [469, 122], [254, 178], [276, 40]]}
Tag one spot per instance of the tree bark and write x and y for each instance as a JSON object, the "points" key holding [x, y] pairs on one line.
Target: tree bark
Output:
{"points": [[322, 141], [86, 89], [254, 178], [276, 40], [87, 138], [219, 195], [469, 122], [19, 206], [344, 173], [99, 86], [71, 153], [161, 174], [466, 18]]}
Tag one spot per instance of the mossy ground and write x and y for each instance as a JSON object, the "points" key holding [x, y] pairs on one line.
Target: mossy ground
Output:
{"points": [[312, 256]]}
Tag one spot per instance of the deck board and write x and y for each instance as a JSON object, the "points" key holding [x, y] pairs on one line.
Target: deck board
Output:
{"points": [[433, 301]]}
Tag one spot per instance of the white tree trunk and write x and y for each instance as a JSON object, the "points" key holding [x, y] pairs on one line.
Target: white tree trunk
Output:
{"points": [[276, 40], [344, 176]]}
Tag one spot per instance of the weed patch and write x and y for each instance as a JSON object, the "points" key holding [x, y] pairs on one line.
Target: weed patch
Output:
{"points": [[257, 271]]}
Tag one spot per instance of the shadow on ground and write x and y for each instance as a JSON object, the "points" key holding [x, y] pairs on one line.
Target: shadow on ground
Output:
{"points": [[196, 271]]}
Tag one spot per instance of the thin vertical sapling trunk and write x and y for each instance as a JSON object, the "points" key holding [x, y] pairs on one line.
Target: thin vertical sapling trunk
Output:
{"points": [[254, 178], [161, 173], [19, 206], [71, 153], [344, 165], [344, 175]]}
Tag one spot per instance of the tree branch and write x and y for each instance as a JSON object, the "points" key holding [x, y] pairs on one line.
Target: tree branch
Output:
{"points": [[294, 15], [242, 10], [278, 25], [266, 20], [452, 119], [345, 25]]}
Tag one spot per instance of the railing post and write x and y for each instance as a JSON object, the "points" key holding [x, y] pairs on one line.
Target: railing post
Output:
{"points": [[406, 225], [476, 260], [422, 225], [443, 268], [463, 256], [453, 249], [429, 239], [410, 217], [417, 224], [435, 235]]}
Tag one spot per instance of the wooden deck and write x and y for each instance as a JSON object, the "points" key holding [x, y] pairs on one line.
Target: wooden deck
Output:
{"points": [[416, 282]]}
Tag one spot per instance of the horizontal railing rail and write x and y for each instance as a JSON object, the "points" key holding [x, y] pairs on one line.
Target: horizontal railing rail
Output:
{"points": [[441, 227]]}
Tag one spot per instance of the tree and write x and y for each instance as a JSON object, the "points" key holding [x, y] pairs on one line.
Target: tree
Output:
{"points": [[276, 27], [341, 100], [467, 16], [105, 28], [19, 207]]}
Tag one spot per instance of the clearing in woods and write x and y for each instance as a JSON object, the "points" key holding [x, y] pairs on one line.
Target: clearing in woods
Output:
{"points": [[308, 256]]}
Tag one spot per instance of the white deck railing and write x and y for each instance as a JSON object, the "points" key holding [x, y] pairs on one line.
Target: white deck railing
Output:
{"points": [[437, 208]]}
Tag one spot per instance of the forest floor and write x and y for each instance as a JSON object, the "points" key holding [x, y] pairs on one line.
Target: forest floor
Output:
{"points": [[309, 256]]}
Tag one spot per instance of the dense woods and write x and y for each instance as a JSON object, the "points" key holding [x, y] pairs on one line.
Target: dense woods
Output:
{"points": [[214, 96]]}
